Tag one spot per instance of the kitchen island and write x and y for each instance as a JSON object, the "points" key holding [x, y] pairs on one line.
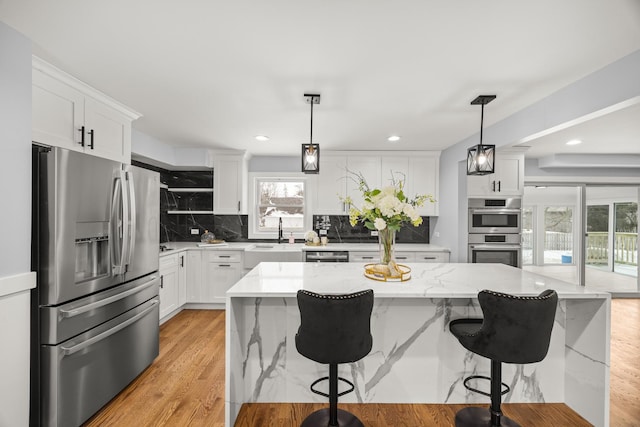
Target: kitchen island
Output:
{"points": [[414, 359]]}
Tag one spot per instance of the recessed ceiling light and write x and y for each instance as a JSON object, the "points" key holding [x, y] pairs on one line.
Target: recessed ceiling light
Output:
{"points": [[574, 142], [393, 138], [262, 138]]}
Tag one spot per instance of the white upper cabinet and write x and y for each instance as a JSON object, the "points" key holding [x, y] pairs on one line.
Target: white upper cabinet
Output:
{"points": [[331, 184], [508, 179], [70, 114], [420, 169], [367, 165], [422, 178], [229, 184]]}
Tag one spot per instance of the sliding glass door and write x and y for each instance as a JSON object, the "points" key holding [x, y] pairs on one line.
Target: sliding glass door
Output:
{"points": [[625, 242]]}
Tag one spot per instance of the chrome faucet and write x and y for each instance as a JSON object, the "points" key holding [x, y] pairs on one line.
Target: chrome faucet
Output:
{"points": [[280, 230]]}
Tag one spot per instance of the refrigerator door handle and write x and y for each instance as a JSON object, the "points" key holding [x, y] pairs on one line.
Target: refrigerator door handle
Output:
{"points": [[119, 208], [76, 348], [92, 306], [126, 223], [131, 217]]}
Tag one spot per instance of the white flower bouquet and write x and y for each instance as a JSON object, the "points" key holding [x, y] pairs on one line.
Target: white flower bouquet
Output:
{"points": [[385, 210]]}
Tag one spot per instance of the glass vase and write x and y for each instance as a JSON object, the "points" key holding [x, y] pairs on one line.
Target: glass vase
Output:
{"points": [[386, 243]]}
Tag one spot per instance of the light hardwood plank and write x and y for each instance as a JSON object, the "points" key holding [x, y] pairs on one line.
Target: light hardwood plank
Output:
{"points": [[185, 385]]}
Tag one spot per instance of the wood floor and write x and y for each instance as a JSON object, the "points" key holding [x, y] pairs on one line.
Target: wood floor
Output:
{"points": [[185, 385]]}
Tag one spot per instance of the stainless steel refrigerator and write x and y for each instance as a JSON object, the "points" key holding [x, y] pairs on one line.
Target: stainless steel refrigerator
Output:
{"points": [[95, 239]]}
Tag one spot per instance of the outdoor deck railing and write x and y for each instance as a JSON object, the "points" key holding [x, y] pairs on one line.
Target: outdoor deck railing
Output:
{"points": [[625, 252]]}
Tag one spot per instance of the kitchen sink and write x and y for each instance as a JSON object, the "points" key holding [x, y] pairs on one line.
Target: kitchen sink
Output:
{"points": [[272, 252], [275, 247]]}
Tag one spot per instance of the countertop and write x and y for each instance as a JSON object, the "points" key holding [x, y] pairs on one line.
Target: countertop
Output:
{"points": [[440, 280], [241, 246]]}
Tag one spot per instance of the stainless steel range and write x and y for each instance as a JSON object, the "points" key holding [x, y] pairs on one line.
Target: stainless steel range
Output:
{"points": [[95, 307], [495, 231]]}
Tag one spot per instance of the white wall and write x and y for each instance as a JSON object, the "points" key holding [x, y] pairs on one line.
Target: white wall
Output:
{"points": [[276, 164], [609, 86], [15, 225], [15, 151]]}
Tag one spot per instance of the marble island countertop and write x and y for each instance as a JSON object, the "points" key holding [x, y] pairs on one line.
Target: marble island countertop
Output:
{"points": [[443, 280], [174, 247]]}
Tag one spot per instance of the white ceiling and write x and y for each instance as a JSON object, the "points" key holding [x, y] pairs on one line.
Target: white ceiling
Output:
{"points": [[617, 132], [217, 73]]}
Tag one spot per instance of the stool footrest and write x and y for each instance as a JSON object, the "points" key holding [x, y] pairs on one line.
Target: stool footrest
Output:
{"points": [[506, 389], [327, 395]]}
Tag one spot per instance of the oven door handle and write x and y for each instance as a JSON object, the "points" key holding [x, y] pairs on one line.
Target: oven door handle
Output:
{"points": [[498, 247], [76, 348], [496, 211], [101, 303]]}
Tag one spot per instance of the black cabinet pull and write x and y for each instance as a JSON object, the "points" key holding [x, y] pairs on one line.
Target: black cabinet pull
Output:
{"points": [[493, 188], [429, 257], [162, 281], [224, 256], [225, 265], [81, 136], [499, 182], [238, 205], [367, 257], [92, 133], [182, 261]]}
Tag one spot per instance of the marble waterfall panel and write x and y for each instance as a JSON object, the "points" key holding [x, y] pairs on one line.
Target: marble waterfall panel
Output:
{"points": [[414, 359]]}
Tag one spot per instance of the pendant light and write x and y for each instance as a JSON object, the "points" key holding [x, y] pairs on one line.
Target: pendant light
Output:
{"points": [[481, 158], [311, 151]]}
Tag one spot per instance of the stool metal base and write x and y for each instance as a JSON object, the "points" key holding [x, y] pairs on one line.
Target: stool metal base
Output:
{"points": [[320, 418], [480, 417]]}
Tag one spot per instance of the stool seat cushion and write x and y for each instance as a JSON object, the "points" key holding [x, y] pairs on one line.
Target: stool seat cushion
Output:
{"points": [[514, 329], [334, 329]]}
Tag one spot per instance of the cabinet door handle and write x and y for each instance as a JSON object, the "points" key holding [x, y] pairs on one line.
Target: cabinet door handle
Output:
{"points": [[81, 136], [162, 282], [499, 182], [493, 186], [92, 133], [367, 257], [224, 256], [238, 205], [224, 265], [429, 257], [182, 261], [401, 257]]}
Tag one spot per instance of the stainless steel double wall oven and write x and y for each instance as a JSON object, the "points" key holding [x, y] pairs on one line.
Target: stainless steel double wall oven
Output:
{"points": [[95, 308], [495, 231]]}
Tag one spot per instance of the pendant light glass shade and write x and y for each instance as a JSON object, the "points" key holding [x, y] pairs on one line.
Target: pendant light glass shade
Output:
{"points": [[311, 151], [310, 158], [481, 159]]}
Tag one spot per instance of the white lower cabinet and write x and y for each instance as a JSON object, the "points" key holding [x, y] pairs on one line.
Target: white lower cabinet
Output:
{"points": [[169, 284], [431, 257], [401, 256], [194, 276], [219, 270]]}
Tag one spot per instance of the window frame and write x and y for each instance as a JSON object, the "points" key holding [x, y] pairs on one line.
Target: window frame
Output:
{"points": [[255, 179]]}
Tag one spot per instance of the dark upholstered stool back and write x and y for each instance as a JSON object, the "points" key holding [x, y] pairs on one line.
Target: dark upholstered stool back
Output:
{"points": [[514, 329], [334, 328]]}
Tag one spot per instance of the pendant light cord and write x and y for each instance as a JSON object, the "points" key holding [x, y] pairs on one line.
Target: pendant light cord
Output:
{"points": [[311, 133], [481, 123]]}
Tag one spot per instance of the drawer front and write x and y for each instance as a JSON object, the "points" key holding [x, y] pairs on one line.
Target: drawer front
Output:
{"points": [[364, 256], [169, 261], [432, 257], [225, 256], [403, 257]]}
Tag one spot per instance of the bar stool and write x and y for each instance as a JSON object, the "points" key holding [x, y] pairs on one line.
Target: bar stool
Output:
{"points": [[514, 330], [334, 329]]}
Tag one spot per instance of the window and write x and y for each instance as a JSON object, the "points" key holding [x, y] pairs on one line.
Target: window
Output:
{"points": [[280, 198]]}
